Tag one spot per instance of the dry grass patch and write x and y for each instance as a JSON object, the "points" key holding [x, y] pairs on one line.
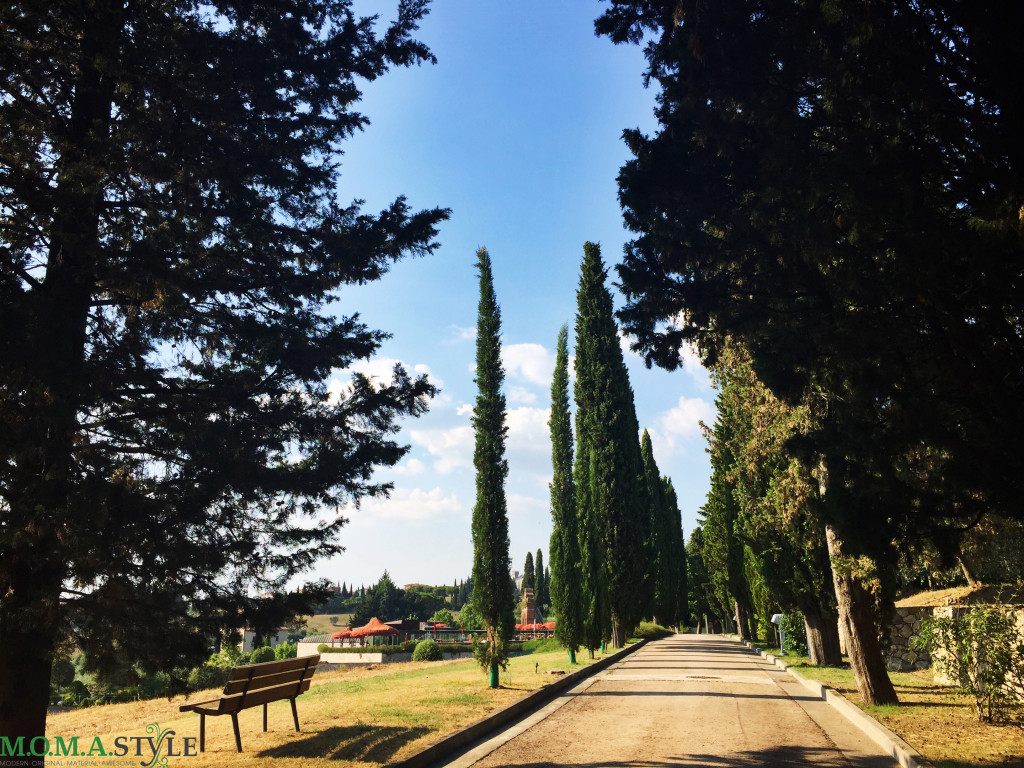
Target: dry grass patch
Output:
{"points": [[363, 717], [321, 622], [944, 730]]}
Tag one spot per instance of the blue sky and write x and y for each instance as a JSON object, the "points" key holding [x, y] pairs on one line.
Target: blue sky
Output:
{"points": [[518, 130]]}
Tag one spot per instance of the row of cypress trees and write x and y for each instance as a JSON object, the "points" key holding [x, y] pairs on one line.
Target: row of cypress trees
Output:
{"points": [[616, 547], [617, 552]]}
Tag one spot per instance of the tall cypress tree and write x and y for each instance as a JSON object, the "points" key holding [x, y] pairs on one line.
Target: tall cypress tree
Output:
{"points": [[661, 562], [529, 574], [493, 595], [609, 490], [679, 556], [541, 590], [565, 585]]}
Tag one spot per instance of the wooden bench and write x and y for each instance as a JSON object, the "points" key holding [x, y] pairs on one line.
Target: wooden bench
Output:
{"points": [[255, 684]]}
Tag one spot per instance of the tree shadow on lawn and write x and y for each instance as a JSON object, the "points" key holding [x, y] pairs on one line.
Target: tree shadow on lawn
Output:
{"points": [[355, 743]]}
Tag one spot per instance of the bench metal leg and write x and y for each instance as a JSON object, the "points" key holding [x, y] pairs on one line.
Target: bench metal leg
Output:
{"points": [[238, 738], [202, 732], [295, 715], [264, 718]]}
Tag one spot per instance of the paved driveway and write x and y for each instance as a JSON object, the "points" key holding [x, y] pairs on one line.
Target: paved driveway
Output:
{"points": [[689, 700]]}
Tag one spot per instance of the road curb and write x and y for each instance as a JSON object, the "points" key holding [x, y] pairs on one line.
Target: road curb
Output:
{"points": [[476, 731], [893, 745]]}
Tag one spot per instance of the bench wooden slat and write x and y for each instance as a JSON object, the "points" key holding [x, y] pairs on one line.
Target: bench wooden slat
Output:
{"points": [[267, 681], [239, 702], [269, 667]]}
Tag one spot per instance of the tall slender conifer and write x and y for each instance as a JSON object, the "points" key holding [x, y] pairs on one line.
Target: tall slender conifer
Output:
{"points": [[564, 585], [661, 562], [541, 589], [610, 494], [679, 556], [493, 595]]}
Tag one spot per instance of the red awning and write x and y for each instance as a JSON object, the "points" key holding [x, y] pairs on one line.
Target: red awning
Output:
{"points": [[346, 632], [374, 628]]}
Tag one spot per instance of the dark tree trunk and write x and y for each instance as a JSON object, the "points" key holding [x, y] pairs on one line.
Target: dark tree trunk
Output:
{"points": [[968, 571], [823, 637], [28, 627], [860, 625], [742, 620], [618, 634]]}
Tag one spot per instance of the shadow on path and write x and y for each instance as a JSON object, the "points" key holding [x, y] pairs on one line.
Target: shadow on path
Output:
{"points": [[699, 694], [775, 757], [355, 743]]}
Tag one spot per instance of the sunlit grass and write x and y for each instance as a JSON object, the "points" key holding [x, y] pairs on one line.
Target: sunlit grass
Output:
{"points": [[363, 717]]}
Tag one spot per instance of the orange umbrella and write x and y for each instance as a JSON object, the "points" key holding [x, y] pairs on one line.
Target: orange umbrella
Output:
{"points": [[373, 628], [346, 632]]}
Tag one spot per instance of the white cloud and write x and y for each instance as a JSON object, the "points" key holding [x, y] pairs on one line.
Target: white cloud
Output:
{"points": [[525, 505], [681, 423], [624, 343], [408, 504], [462, 334], [528, 429], [530, 362], [684, 420], [412, 466], [464, 410], [452, 447], [521, 395], [691, 364]]}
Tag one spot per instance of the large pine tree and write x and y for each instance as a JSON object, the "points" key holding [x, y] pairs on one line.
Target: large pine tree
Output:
{"points": [[170, 248], [610, 492], [566, 584], [838, 185], [493, 594], [529, 573]]}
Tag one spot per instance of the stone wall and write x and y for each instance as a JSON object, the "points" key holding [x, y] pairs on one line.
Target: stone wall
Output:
{"points": [[906, 624]]}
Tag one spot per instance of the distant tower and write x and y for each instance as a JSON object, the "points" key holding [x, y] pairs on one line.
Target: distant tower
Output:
{"points": [[529, 609]]}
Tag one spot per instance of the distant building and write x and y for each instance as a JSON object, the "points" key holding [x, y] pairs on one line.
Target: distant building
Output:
{"points": [[276, 637]]}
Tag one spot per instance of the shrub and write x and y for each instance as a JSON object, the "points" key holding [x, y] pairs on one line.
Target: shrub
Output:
{"points": [[796, 633], [262, 654], [286, 651], [385, 649], [982, 652], [541, 645], [648, 630], [443, 616], [207, 676], [156, 684], [427, 650]]}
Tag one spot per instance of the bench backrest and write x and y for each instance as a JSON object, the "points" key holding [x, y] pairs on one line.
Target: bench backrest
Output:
{"points": [[255, 684]]}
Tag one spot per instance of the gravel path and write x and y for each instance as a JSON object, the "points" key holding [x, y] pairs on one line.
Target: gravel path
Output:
{"points": [[688, 700]]}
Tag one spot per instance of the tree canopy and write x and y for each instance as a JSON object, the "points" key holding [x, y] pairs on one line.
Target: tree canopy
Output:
{"points": [[171, 248], [837, 187]]}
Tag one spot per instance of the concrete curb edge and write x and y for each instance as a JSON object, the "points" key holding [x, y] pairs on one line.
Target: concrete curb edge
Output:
{"points": [[475, 731], [893, 745]]}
